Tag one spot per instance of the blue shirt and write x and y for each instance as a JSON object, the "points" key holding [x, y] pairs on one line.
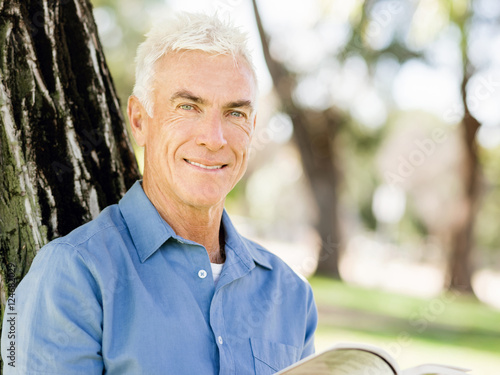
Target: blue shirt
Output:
{"points": [[123, 294]]}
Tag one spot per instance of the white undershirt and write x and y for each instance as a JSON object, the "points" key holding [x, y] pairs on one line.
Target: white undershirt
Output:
{"points": [[216, 271]]}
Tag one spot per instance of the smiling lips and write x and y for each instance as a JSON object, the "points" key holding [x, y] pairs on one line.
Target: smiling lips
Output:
{"points": [[205, 166]]}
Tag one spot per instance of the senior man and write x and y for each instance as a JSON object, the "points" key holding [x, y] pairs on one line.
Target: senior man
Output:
{"points": [[162, 283]]}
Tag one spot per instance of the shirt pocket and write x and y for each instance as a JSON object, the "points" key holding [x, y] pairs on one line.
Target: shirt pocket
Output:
{"points": [[270, 357]]}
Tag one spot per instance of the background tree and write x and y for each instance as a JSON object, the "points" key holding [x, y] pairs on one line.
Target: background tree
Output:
{"points": [[64, 151], [322, 135], [338, 153], [460, 262], [314, 134]]}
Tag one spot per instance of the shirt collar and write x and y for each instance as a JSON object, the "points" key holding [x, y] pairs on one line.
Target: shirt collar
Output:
{"points": [[149, 231], [245, 250]]}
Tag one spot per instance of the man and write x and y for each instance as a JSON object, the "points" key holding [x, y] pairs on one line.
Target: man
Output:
{"points": [[162, 283]]}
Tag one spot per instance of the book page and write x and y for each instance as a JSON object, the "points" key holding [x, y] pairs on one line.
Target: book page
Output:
{"points": [[342, 362], [435, 369]]}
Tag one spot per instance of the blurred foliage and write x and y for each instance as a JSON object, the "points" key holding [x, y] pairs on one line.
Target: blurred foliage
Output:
{"points": [[409, 39], [373, 43], [360, 141], [122, 25]]}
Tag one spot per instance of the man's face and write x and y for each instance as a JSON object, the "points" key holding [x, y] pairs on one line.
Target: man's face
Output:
{"points": [[197, 142]]}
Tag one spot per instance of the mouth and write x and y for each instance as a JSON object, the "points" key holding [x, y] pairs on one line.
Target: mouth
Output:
{"points": [[208, 167]]}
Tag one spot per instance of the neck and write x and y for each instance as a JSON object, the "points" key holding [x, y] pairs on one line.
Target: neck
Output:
{"points": [[198, 224]]}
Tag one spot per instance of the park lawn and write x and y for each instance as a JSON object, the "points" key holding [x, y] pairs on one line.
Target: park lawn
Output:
{"points": [[450, 328]]}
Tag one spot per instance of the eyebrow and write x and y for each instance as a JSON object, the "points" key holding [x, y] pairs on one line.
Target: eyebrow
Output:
{"points": [[240, 104], [184, 94], [188, 95]]}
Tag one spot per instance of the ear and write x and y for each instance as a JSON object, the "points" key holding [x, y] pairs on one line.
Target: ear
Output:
{"points": [[254, 123], [137, 116]]}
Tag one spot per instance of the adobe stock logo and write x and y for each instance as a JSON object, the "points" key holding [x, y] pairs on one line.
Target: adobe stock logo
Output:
{"points": [[380, 18], [279, 130], [482, 88], [424, 148]]}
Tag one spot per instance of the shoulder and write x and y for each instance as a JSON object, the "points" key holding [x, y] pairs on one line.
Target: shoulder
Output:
{"points": [[108, 222], [86, 247]]}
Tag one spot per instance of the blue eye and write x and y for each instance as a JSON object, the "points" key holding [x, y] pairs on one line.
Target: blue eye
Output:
{"points": [[187, 107], [237, 114]]}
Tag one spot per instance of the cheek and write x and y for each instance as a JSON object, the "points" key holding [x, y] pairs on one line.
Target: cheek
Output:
{"points": [[247, 145], [166, 140], [241, 140], [242, 156], [154, 146]]}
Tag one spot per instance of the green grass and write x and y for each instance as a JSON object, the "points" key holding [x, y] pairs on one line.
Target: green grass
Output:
{"points": [[450, 327]]}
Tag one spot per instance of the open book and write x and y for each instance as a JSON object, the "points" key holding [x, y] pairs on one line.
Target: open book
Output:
{"points": [[362, 359]]}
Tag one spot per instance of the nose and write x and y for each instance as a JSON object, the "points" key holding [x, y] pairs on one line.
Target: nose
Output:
{"points": [[211, 134]]}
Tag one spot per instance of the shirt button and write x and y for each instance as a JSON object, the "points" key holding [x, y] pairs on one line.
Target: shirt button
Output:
{"points": [[219, 340], [202, 274]]}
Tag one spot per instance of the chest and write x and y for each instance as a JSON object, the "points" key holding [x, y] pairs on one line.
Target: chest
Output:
{"points": [[168, 317]]}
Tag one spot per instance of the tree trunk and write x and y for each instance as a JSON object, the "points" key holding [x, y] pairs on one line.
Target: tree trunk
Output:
{"points": [[64, 151], [460, 268], [314, 134], [460, 259]]}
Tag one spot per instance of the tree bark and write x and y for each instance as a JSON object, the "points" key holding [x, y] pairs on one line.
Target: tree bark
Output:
{"points": [[314, 134], [64, 150]]}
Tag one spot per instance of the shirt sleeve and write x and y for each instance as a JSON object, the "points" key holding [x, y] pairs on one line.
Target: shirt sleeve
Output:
{"points": [[57, 318], [312, 322]]}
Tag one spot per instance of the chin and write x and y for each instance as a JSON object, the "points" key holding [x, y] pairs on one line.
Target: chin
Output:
{"points": [[205, 203], [205, 197]]}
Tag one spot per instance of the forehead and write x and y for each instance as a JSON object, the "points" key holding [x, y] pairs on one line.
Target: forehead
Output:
{"points": [[205, 74]]}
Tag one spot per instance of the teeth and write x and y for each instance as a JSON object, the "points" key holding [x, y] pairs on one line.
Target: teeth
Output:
{"points": [[204, 166]]}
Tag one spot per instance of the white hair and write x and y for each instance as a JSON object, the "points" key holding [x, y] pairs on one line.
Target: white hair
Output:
{"points": [[185, 32]]}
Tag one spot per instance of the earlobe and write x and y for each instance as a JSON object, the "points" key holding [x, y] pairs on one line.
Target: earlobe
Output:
{"points": [[136, 117]]}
